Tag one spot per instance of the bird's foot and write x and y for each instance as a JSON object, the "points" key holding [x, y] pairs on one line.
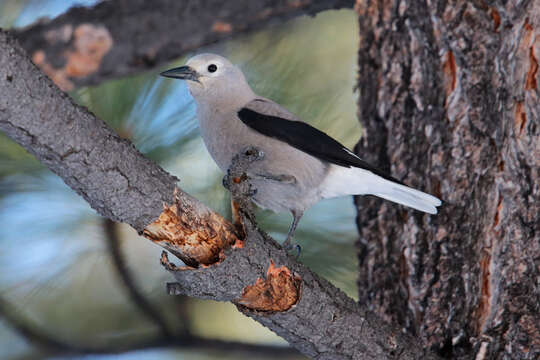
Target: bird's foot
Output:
{"points": [[290, 246], [226, 181]]}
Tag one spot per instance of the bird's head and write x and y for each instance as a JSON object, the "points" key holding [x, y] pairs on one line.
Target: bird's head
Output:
{"points": [[211, 77]]}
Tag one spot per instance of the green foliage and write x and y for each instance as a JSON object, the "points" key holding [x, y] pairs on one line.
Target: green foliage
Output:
{"points": [[14, 159]]}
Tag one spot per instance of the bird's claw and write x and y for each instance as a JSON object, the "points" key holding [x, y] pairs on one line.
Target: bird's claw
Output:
{"points": [[298, 251], [288, 246], [226, 181]]}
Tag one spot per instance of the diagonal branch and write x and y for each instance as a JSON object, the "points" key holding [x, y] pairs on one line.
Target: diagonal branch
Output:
{"points": [[8, 313], [55, 346], [135, 295], [115, 38], [116, 180]]}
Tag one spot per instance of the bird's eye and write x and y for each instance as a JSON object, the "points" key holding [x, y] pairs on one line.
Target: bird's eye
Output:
{"points": [[212, 68]]}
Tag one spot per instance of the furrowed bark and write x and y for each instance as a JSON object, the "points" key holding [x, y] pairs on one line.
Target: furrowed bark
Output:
{"points": [[115, 38], [122, 185], [449, 103]]}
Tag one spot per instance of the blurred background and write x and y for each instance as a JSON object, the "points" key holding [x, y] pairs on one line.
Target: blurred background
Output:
{"points": [[56, 268]]}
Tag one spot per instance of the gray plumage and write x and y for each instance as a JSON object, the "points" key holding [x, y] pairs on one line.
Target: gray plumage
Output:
{"points": [[293, 174]]}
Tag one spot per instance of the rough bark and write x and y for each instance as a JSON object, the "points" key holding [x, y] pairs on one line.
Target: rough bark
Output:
{"points": [[122, 185], [115, 38], [449, 103]]}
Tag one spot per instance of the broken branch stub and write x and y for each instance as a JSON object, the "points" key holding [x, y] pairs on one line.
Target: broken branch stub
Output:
{"points": [[192, 232], [237, 179], [237, 182]]}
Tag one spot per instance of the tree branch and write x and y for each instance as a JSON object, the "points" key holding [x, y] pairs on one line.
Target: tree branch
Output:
{"points": [[116, 180], [55, 346], [115, 38], [134, 294]]}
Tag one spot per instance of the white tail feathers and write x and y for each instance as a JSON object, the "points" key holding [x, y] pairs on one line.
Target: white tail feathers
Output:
{"points": [[410, 197], [342, 181]]}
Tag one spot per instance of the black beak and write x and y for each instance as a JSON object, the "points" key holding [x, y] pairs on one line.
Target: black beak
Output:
{"points": [[182, 72]]}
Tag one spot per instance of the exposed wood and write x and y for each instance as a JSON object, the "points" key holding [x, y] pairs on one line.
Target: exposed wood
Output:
{"points": [[279, 291], [192, 232]]}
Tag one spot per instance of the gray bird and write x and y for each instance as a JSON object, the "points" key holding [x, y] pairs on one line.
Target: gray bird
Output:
{"points": [[301, 165]]}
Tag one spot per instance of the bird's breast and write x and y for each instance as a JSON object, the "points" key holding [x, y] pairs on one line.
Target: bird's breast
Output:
{"points": [[222, 136]]}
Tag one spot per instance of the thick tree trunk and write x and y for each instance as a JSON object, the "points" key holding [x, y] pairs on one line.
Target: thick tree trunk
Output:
{"points": [[255, 273], [115, 38], [449, 104]]}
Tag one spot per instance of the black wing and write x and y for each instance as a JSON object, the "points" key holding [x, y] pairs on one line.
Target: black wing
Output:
{"points": [[306, 138]]}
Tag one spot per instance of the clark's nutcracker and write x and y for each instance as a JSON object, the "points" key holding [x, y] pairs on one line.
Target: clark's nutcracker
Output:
{"points": [[301, 165]]}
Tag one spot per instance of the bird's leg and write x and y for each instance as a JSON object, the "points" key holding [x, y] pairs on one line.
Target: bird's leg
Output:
{"points": [[288, 244]]}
